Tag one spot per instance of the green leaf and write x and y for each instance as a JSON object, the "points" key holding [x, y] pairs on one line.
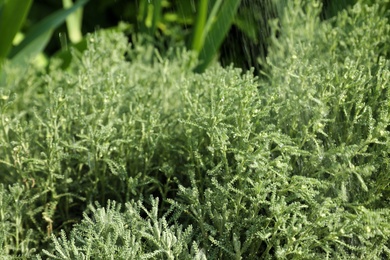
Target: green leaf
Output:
{"points": [[36, 40], [12, 15], [157, 10], [150, 13], [198, 36], [73, 22], [217, 33], [247, 26]]}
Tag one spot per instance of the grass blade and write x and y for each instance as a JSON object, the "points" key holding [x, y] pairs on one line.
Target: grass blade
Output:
{"points": [[198, 36], [149, 16], [157, 9]]}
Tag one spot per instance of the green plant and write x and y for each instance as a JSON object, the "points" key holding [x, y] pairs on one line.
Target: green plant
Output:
{"points": [[291, 166], [12, 16], [16, 211], [210, 27], [124, 235], [74, 22], [37, 37]]}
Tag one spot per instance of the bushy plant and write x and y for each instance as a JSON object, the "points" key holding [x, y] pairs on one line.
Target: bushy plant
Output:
{"points": [[112, 234], [292, 166]]}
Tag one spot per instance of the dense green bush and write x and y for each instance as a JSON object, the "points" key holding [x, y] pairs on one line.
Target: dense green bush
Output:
{"points": [[208, 166]]}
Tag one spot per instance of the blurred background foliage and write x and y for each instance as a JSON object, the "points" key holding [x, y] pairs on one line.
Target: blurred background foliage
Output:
{"points": [[175, 22]]}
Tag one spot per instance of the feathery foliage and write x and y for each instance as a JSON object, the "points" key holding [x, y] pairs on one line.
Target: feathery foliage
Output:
{"points": [[291, 166]]}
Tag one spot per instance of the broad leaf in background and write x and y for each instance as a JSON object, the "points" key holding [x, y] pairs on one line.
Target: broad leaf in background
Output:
{"points": [[36, 40], [12, 16], [74, 22], [214, 30]]}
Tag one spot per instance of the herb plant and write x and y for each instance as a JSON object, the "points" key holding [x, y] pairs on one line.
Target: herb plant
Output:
{"points": [[130, 154]]}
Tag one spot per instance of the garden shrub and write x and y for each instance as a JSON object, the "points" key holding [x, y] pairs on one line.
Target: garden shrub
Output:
{"points": [[207, 166]]}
